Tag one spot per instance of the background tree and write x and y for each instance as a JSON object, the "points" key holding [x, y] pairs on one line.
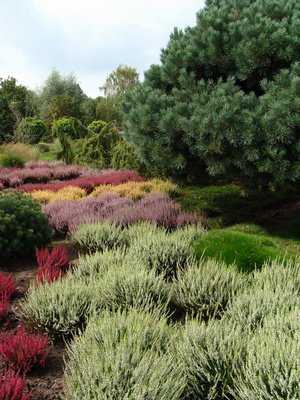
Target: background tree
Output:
{"points": [[225, 98], [120, 80]]}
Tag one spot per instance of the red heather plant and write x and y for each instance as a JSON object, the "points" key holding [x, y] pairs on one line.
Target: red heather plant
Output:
{"points": [[7, 286], [20, 351], [87, 182], [52, 264], [13, 387], [4, 308]]}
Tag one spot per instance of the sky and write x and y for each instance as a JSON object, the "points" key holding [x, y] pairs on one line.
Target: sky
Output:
{"points": [[89, 38]]}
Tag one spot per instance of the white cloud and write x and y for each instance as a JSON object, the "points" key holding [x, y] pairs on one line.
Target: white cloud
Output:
{"points": [[87, 37]]}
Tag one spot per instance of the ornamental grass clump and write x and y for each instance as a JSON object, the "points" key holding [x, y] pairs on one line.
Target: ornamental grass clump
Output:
{"points": [[21, 351], [206, 289], [124, 356], [99, 237], [210, 356]]}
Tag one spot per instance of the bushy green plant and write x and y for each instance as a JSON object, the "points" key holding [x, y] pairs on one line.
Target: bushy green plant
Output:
{"points": [[224, 98], [246, 251], [132, 285], [123, 356], [206, 289], [70, 128], [17, 154], [9, 160], [60, 307], [273, 290], [124, 156], [210, 356], [272, 364], [99, 263], [99, 237], [31, 130], [23, 226], [163, 253]]}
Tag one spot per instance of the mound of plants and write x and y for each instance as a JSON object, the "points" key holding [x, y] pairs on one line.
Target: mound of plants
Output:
{"points": [[13, 386], [16, 155], [124, 355], [246, 251], [23, 226], [66, 216]]}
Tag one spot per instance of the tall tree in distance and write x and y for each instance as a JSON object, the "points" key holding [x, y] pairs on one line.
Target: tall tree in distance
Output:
{"points": [[120, 80]]}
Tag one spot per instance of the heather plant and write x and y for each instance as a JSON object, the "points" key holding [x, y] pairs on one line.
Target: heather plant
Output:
{"points": [[99, 237], [52, 264], [163, 253], [131, 286], [7, 286], [124, 354], [271, 368], [246, 251], [20, 351], [206, 289], [23, 225], [97, 264], [4, 308], [67, 193], [87, 182], [13, 387], [59, 308], [210, 356]]}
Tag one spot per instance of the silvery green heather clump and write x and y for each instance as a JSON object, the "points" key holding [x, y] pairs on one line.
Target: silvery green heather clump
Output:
{"points": [[206, 289], [124, 356]]}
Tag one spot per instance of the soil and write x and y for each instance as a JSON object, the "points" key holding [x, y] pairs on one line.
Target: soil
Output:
{"points": [[44, 383]]}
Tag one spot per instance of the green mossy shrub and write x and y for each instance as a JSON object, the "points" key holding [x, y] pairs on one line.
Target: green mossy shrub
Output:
{"points": [[99, 237], [123, 356], [31, 130], [206, 289], [68, 127], [246, 251], [210, 356], [23, 226], [8, 160]]}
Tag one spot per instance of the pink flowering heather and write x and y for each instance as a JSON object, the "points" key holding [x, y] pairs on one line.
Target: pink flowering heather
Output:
{"points": [[66, 216], [87, 182]]}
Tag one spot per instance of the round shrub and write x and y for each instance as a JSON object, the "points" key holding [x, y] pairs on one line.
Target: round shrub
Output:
{"points": [[99, 237], [124, 355], [210, 356], [31, 130], [9, 160], [206, 289], [23, 226], [17, 154], [246, 251], [67, 128]]}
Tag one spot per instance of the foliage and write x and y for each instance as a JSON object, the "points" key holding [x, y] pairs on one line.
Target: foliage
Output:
{"points": [[20, 351], [246, 251], [124, 156], [17, 154], [60, 307], [22, 225], [16, 102], [225, 97], [206, 289], [7, 286], [211, 356], [108, 109], [124, 354], [67, 193], [67, 128], [4, 308], [31, 130], [120, 81], [99, 237], [52, 264], [13, 387]]}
